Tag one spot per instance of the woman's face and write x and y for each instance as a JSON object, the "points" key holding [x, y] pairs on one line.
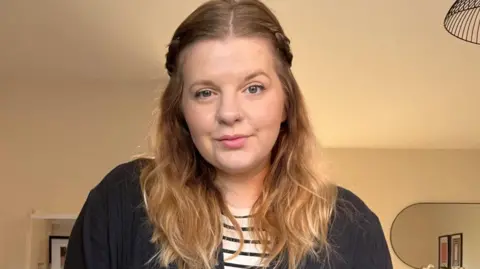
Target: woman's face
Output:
{"points": [[233, 102]]}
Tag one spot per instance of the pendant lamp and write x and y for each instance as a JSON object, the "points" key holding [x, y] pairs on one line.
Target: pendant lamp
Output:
{"points": [[463, 20]]}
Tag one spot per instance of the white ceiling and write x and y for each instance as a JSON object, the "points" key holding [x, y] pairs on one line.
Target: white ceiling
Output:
{"points": [[376, 74]]}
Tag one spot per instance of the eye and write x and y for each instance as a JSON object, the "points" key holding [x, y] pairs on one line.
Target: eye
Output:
{"points": [[255, 89], [203, 94]]}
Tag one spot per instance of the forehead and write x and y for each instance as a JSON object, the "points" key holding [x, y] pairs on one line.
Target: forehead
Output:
{"points": [[227, 58]]}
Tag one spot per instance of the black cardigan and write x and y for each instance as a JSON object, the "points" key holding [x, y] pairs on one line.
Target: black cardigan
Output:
{"points": [[112, 231]]}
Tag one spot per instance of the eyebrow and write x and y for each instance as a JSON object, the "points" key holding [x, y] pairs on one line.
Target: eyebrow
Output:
{"points": [[210, 83], [255, 74]]}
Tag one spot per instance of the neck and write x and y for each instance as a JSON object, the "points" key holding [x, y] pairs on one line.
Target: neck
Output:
{"points": [[241, 191]]}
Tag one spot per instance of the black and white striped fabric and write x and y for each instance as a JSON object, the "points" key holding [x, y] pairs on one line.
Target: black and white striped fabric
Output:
{"points": [[250, 255]]}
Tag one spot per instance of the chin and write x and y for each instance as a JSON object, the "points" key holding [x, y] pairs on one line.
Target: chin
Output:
{"points": [[236, 165], [235, 168], [239, 164]]}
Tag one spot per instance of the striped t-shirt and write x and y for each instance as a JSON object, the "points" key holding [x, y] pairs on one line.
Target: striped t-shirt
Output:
{"points": [[250, 255]]}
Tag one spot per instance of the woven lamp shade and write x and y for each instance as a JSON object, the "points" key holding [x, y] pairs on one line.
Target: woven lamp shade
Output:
{"points": [[463, 20]]}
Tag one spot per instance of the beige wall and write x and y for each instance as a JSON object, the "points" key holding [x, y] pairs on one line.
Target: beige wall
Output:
{"points": [[410, 236], [423, 224], [389, 180], [58, 141]]}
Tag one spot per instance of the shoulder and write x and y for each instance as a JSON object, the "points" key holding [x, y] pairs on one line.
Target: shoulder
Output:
{"points": [[125, 175], [111, 221], [120, 186], [357, 231], [117, 200], [352, 217], [352, 206], [352, 213]]}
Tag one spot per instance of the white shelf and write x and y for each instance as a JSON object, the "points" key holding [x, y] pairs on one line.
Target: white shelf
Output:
{"points": [[52, 216]]}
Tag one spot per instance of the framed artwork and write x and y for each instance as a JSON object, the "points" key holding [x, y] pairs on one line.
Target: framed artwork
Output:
{"points": [[444, 251], [57, 251], [456, 250]]}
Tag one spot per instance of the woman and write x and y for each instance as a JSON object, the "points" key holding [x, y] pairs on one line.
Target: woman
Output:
{"points": [[234, 181]]}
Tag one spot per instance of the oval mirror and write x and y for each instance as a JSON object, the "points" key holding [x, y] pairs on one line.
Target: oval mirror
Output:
{"points": [[441, 234]]}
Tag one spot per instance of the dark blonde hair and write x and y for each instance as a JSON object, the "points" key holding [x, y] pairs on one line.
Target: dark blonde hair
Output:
{"points": [[182, 199]]}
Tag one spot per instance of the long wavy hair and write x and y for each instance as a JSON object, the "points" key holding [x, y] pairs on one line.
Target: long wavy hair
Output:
{"points": [[183, 202]]}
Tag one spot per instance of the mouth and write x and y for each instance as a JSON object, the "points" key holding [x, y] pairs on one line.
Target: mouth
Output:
{"points": [[233, 141], [231, 137]]}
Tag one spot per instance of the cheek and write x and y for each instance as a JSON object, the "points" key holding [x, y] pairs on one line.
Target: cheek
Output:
{"points": [[197, 130], [268, 116], [268, 128], [194, 124], [272, 112], [199, 121]]}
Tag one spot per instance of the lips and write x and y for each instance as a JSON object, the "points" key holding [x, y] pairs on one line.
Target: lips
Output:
{"points": [[233, 141], [231, 137]]}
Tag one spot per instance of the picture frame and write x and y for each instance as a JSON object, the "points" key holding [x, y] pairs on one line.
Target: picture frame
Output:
{"points": [[444, 251], [456, 250], [57, 249]]}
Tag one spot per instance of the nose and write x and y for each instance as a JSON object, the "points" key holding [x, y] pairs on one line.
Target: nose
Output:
{"points": [[229, 110]]}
